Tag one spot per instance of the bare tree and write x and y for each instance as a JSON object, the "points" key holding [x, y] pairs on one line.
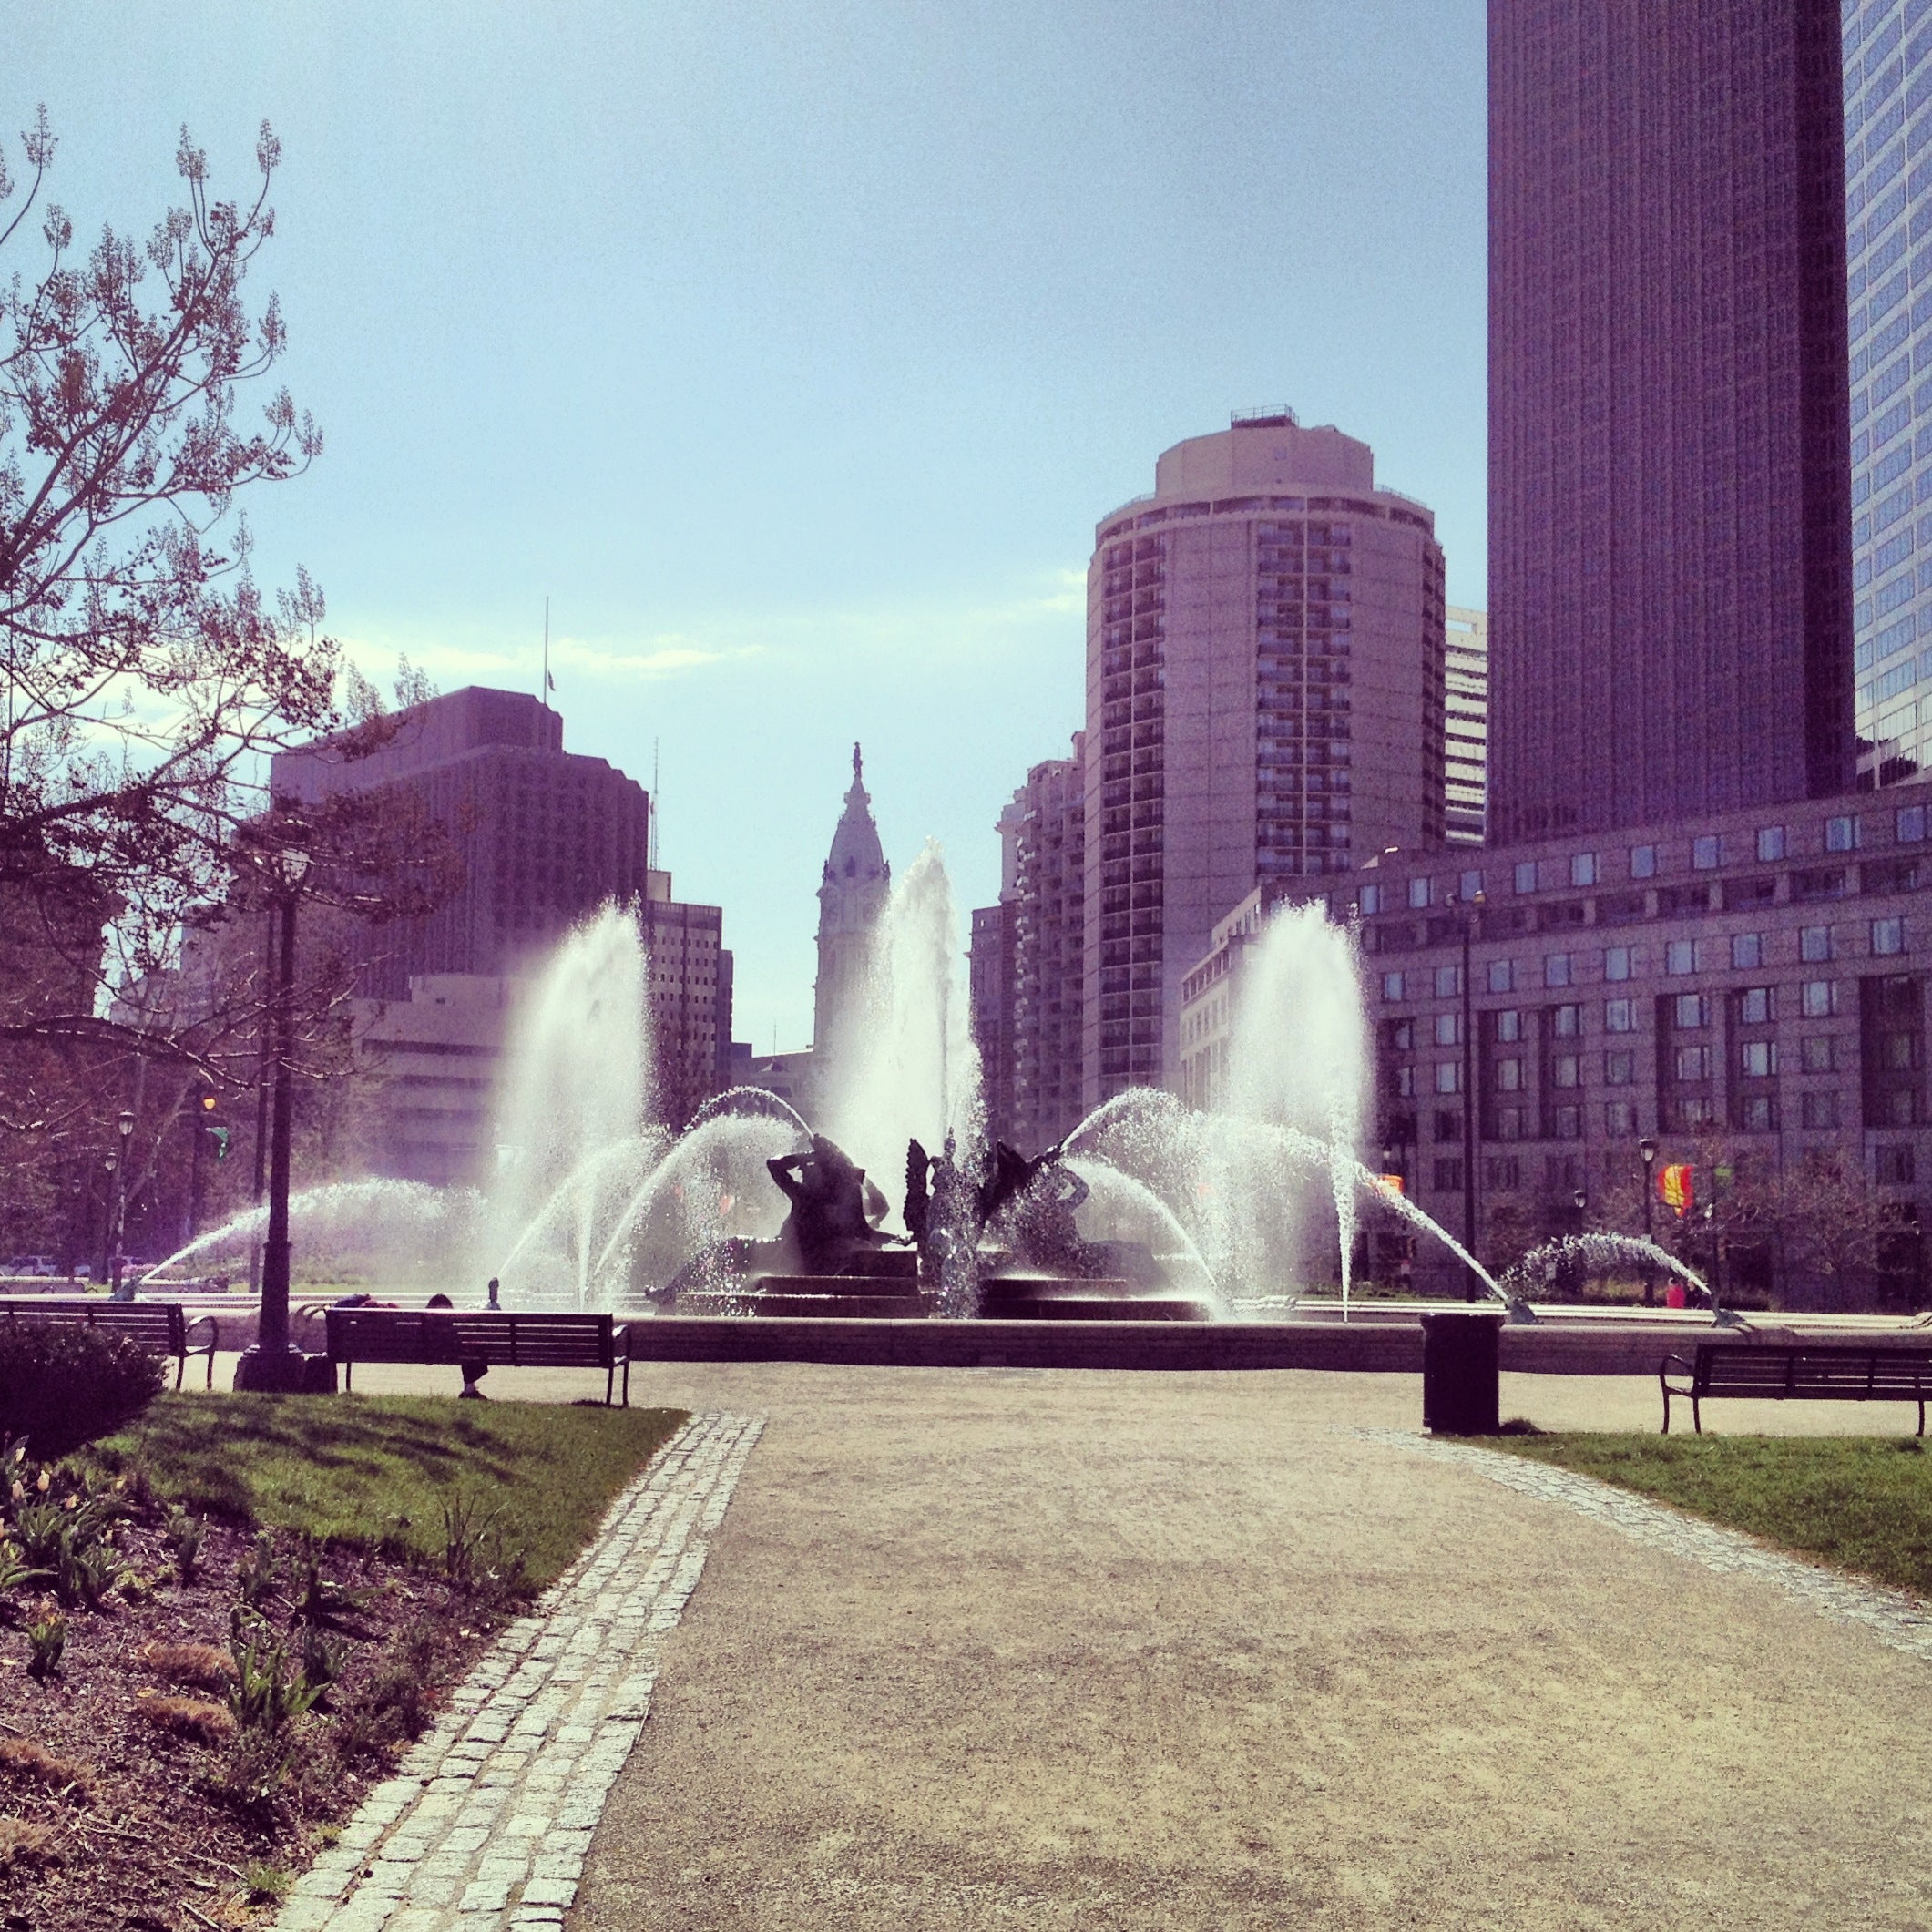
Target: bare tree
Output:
{"points": [[146, 679]]}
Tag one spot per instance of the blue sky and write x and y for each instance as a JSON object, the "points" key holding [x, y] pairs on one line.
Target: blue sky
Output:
{"points": [[793, 350]]}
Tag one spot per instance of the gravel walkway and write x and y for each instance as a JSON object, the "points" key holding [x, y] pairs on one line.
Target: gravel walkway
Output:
{"points": [[1895, 1617], [486, 1823]]}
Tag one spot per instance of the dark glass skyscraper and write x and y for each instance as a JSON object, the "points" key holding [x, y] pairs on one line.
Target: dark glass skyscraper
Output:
{"points": [[1669, 465]]}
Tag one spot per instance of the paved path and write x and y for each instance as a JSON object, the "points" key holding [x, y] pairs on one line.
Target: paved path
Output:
{"points": [[995, 1649], [486, 1823]]}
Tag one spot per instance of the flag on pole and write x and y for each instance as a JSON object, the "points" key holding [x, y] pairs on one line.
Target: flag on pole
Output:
{"points": [[550, 680]]}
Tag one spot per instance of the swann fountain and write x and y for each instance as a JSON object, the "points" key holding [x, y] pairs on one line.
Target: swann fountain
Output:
{"points": [[1147, 1208]]}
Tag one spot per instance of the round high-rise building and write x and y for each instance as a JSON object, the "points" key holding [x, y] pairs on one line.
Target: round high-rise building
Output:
{"points": [[1265, 706]]}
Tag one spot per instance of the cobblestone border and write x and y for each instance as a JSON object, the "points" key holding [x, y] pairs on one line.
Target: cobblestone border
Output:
{"points": [[486, 1822], [1899, 1619]]}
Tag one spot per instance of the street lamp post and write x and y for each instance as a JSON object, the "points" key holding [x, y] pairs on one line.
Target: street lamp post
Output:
{"points": [[201, 1126], [272, 1363], [111, 1164], [121, 1291], [1647, 1153]]}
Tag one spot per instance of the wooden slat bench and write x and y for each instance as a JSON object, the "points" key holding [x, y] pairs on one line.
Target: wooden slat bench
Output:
{"points": [[162, 1326], [1768, 1373], [498, 1340]]}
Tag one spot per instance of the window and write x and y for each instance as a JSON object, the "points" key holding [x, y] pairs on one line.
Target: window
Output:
{"points": [[1693, 1063], [1470, 888], [1583, 868], [1619, 1119], [1566, 1022], [1911, 826], [1680, 955], [1707, 854], [1644, 861], [1448, 1077], [1509, 1025], [1691, 1011], [1755, 1007], [1448, 982], [1503, 1173], [1447, 1125], [1759, 1060], [1418, 894], [1819, 998], [1620, 1016], [1406, 1083], [1747, 952], [1564, 1072], [1815, 1053], [1398, 1035], [1370, 899], [1819, 1109], [1526, 876], [1448, 1029], [1502, 975], [1814, 942], [1448, 1174], [1556, 969], [1620, 1070], [1889, 936], [1391, 985], [1567, 1123], [1757, 1113], [1509, 1076], [1894, 1165], [1616, 961], [1770, 843], [1510, 1122], [1841, 834]]}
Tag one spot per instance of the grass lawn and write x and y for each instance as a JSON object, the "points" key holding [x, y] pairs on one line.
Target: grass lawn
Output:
{"points": [[1863, 1503], [377, 1471]]}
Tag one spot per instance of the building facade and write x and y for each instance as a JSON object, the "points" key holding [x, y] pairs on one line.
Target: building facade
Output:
{"points": [[852, 894], [1265, 701], [690, 1000], [1211, 994], [1669, 460], [433, 1060], [1888, 211], [544, 836], [990, 984], [1749, 988], [1044, 866], [1465, 723]]}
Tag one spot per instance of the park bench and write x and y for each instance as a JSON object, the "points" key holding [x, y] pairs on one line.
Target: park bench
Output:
{"points": [[162, 1326], [498, 1340], [1768, 1373]]}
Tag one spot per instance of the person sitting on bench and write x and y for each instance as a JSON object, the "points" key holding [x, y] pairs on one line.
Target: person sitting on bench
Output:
{"points": [[473, 1372]]}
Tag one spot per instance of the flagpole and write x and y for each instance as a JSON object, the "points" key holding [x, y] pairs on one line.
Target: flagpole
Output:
{"points": [[544, 694]]}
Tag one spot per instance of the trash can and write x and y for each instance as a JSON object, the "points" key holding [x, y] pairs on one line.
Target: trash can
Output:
{"points": [[1460, 1387]]}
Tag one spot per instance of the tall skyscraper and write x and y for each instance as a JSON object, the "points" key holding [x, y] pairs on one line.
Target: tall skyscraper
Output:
{"points": [[1044, 868], [851, 894], [1264, 703], [1670, 490], [545, 835], [1888, 208], [1465, 723]]}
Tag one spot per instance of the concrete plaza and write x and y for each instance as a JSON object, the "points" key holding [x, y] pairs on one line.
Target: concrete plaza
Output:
{"points": [[998, 1648]]}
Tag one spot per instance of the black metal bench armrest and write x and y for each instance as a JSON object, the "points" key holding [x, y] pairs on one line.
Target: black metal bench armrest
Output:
{"points": [[190, 1347], [620, 1352], [1683, 1367], [1671, 1389]]}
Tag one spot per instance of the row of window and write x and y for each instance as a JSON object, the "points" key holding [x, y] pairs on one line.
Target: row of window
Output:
{"points": [[1744, 952], [1842, 832]]}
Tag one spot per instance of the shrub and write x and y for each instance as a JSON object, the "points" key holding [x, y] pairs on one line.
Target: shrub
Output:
{"points": [[255, 1772], [184, 1534], [24, 1843], [25, 1757], [189, 1717], [45, 1640], [266, 1695], [63, 1384], [200, 1665]]}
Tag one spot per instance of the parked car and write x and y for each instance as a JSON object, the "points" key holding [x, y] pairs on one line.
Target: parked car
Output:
{"points": [[32, 1264]]}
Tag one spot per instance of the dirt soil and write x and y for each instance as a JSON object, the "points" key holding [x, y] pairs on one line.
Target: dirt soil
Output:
{"points": [[132, 1834]]}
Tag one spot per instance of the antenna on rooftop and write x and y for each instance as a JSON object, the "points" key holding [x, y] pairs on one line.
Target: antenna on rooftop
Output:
{"points": [[651, 858]]}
